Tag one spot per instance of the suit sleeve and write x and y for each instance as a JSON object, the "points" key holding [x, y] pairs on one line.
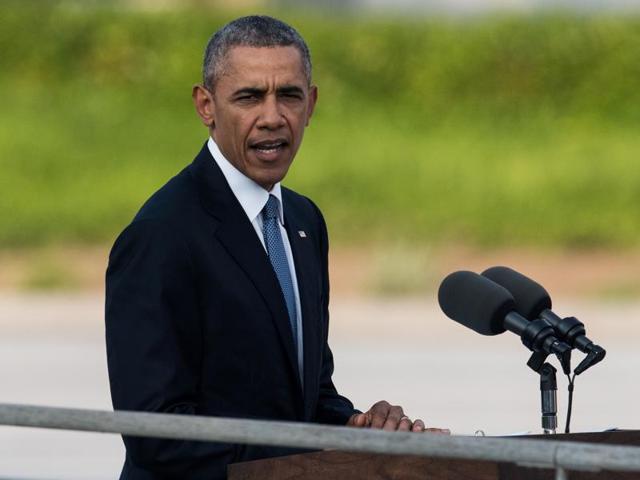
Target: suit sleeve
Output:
{"points": [[154, 346], [333, 408]]}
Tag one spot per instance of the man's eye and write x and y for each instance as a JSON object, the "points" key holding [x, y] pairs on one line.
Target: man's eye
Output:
{"points": [[247, 98]]}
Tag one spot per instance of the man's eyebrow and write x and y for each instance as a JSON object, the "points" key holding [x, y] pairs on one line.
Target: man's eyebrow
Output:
{"points": [[290, 89], [285, 89], [250, 91]]}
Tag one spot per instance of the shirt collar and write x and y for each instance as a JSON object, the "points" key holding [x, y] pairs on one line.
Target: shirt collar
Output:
{"points": [[252, 197]]}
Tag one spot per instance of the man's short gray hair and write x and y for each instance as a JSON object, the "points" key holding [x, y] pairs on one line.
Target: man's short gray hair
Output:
{"points": [[251, 31]]}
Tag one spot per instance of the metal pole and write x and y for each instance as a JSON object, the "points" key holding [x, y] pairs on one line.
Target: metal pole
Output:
{"points": [[548, 399], [545, 454]]}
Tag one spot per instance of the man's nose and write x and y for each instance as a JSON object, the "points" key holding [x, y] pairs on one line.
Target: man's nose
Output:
{"points": [[271, 116]]}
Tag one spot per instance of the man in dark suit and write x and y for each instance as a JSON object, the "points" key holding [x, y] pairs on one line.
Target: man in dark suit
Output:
{"points": [[218, 291]]}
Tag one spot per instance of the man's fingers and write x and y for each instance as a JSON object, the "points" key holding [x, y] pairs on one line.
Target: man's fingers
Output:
{"points": [[394, 417], [418, 426], [405, 424], [379, 413], [391, 417], [378, 419], [358, 420], [362, 420]]}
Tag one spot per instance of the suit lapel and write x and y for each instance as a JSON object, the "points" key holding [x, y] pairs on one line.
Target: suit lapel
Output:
{"points": [[304, 257], [236, 233]]}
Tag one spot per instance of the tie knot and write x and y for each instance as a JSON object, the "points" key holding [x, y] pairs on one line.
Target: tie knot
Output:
{"points": [[271, 209]]}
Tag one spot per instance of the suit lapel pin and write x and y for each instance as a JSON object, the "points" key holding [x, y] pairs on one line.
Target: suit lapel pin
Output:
{"points": [[302, 234]]}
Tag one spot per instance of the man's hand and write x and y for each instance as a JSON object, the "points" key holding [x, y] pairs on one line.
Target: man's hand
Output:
{"points": [[390, 417]]}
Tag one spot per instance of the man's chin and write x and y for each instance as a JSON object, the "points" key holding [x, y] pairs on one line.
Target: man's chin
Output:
{"points": [[268, 175], [269, 179]]}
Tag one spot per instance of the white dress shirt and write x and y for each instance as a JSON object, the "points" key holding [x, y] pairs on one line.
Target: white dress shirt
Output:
{"points": [[253, 198]]}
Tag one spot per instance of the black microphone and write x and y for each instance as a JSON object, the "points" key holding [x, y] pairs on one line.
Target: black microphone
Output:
{"points": [[533, 301], [488, 308]]}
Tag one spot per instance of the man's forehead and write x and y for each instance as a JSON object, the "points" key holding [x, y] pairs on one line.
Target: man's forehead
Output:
{"points": [[253, 63]]}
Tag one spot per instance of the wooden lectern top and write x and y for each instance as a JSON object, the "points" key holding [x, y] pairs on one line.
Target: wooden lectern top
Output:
{"points": [[338, 465]]}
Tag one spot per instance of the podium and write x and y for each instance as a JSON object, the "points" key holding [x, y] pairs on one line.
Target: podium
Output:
{"points": [[338, 465]]}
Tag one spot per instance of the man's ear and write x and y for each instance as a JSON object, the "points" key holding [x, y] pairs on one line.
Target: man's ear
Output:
{"points": [[205, 105], [313, 98]]}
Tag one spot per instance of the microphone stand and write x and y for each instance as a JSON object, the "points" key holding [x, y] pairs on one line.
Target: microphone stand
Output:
{"points": [[548, 389]]}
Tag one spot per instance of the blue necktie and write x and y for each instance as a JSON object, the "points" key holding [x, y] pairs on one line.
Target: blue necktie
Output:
{"points": [[278, 258]]}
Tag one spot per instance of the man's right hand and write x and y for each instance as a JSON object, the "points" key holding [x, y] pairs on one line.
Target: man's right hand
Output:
{"points": [[385, 416]]}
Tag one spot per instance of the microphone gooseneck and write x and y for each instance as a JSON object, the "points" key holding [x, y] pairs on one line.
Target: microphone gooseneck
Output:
{"points": [[533, 302], [488, 308]]}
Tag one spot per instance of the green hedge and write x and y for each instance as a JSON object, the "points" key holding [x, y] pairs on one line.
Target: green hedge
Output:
{"points": [[486, 130]]}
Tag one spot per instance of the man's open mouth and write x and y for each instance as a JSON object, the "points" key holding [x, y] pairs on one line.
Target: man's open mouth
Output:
{"points": [[269, 146]]}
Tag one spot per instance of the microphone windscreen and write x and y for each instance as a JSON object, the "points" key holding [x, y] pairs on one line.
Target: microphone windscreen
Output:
{"points": [[531, 298], [475, 301]]}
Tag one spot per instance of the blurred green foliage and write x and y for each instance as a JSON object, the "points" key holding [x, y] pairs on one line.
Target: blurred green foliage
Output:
{"points": [[486, 130]]}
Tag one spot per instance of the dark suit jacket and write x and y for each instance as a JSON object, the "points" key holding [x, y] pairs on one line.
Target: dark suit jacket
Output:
{"points": [[196, 322]]}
